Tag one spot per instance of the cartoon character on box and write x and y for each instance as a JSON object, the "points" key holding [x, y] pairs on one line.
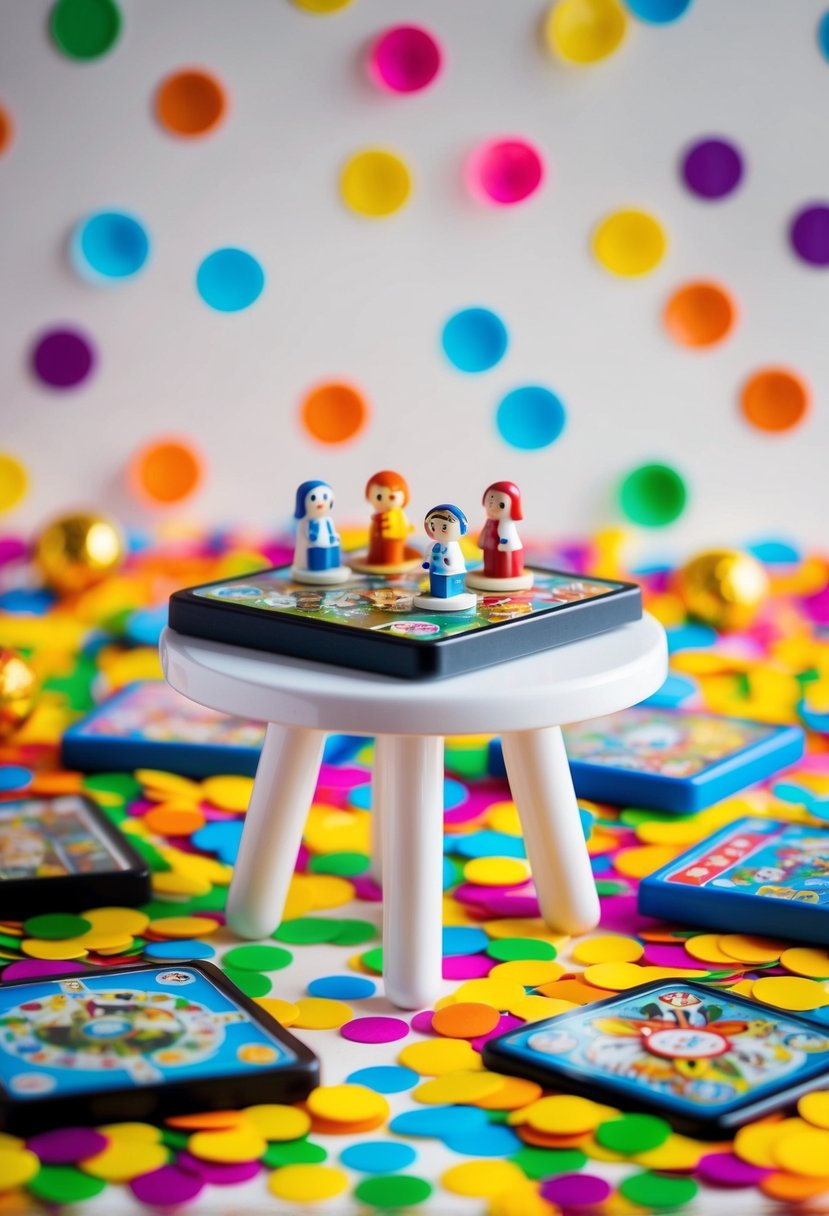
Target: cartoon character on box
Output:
{"points": [[503, 552], [317, 546], [445, 524], [387, 493]]}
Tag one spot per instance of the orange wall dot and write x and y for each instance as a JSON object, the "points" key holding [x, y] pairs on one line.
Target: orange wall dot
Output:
{"points": [[334, 413], [6, 130], [775, 399], [700, 314], [190, 103], [165, 471]]}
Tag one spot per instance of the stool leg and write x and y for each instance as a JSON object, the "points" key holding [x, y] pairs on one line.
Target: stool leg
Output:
{"points": [[286, 778], [381, 787], [542, 788], [413, 871]]}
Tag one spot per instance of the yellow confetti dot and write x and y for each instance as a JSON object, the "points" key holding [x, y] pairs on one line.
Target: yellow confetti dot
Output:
{"points": [[705, 947], [790, 992], [803, 1152], [608, 949], [328, 891], [483, 1179], [503, 817], [814, 1108], [755, 1142], [747, 949], [124, 1159], [143, 1133], [307, 1183], [514, 1093], [228, 1147], [436, 1057], [183, 926], [321, 1013], [684, 832], [534, 1008], [228, 793], [14, 481], [529, 972], [535, 927], [522, 1199], [275, 1122], [677, 1153], [160, 786], [69, 948], [173, 882], [329, 829], [347, 1103], [375, 183], [806, 961], [643, 860], [461, 1088], [562, 1115], [17, 1167], [283, 1011], [9, 1143], [500, 994], [585, 31], [496, 871]]}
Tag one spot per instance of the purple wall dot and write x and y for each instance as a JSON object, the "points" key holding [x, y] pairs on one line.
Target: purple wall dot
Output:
{"points": [[712, 168], [809, 234], [63, 358]]}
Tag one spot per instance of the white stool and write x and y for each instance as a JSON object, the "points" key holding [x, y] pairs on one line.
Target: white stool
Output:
{"points": [[525, 701]]}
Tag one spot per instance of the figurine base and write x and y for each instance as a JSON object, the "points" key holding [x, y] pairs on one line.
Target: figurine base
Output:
{"points": [[521, 582], [455, 603], [411, 559], [321, 578]]}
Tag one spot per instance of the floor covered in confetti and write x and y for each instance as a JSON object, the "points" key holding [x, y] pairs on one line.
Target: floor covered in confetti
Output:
{"points": [[406, 1115]]}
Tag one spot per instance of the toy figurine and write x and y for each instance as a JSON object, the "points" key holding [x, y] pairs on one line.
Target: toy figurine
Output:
{"points": [[317, 547], [387, 493], [446, 524], [503, 552]]}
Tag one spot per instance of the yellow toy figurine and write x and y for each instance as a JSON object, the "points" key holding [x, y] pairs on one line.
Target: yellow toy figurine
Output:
{"points": [[387, 493]]}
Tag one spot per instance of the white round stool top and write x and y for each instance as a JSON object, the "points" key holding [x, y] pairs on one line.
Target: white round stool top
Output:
{"points": [[569, 683]]}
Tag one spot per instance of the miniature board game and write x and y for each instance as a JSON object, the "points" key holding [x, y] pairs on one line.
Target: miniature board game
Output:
{"points": [[140, 1042], [370, 622], [708, 1061], [671, 759], [63, 854], [753, 876]]}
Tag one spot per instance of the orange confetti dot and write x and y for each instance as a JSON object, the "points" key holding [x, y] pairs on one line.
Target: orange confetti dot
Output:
{"points": [[700, 314], [190, 103], [334, 413], [466, 1020], [775, 399], [174, 821], [165, 471]]}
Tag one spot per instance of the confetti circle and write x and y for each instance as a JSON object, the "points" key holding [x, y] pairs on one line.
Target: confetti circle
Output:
{"points": [[167, 1187], [385, 1078], [633, 1133], [60, 1184], [699, 314], [712, 168], [342, 987], [393, 1191], [658, 1190], [55, 926], [165, 471], [190, 103], [14, 481], [658, 12], [504, 172], [334, 412], [109, 245], [6, 130], [774, 399], [66, 1145], [405, 59], [585, 31], [375, 1030], [257, 958], [230, 280], [85, 29], [653, 495], [629, 243], [63, 358], [809, 234], [474, 339], [307, 1183], [378, 1156], [530, 417], [375, 183]]}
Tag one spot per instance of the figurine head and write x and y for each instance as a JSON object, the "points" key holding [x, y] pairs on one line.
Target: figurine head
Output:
{"points": [[502, 500], [387, 490], [313, 499], [445, 522]]}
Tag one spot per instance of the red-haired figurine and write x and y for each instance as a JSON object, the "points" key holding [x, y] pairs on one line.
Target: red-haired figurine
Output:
{"points": [[387, 493], [503, 568]]}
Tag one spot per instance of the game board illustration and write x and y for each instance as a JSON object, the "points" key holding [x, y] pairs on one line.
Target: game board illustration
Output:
{"points": [[153, 712], [84, 1035], [52, 838]]}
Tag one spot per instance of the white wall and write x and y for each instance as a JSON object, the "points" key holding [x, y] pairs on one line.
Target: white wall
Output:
{"points": [[365, 300]]}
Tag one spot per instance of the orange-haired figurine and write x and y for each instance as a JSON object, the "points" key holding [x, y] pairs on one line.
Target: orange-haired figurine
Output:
{"points": [[502, 549], [387, 493]]}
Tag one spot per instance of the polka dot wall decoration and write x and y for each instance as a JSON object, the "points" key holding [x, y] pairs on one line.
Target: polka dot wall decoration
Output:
{"points": [[809, 234], [85, 29], [629, 243], [653, 495], [164, 472], [63, 358], [659, 12], [190, 103], [712, 168], [405, 59], [375, 183], [775, 399], [6, 130], [109, 245], [474, 340], [334, 412], [700, 314], [503, 172], [585, 31], [230, 280], [530, 417], [14, 481]]}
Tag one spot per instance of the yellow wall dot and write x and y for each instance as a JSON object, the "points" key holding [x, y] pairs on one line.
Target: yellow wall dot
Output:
{"points": [[790, 992], [275, 1122], [124, 1159], [14, 481], [375, 183], [482, 1179], [322, 7], [629, 243], [436, 1057], [496, 871], [228, 1147], [347, 1103], [307, 1183], [814, 1108], [321, 1013], [585, 31], [17, 1167], [607, 949]]}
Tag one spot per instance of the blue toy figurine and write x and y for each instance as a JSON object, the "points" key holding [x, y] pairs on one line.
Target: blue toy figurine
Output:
{"points": [[445, 524], [317, 546]]}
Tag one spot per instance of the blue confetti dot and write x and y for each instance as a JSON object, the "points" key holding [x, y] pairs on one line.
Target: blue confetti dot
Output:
{"points": [[230, 280], [342, 987], [487, 843], [378, 1156], [28, 603], [489, 1141], [440, 1121], [109, 245], [474, 340], [674, 691], [339, 749], [690, 637], [145, 625], [452, 873], [14, 777], [530, 417], [460, 939], [385, 1078], [221, 837], [658, 12], [188, 948], [454, 795]]}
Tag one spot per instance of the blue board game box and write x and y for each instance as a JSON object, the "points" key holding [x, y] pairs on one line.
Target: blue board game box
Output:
{"points": [[753, 876], [670, 759]]}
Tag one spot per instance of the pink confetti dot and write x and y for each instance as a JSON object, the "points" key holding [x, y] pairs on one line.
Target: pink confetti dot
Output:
{"points": [[405, 59], [166, 1187], [374, 1030], [67, 1145], [503, 172]]}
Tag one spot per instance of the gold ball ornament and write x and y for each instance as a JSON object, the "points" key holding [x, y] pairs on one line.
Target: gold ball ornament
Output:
{"points": [[75, 552], [723, 587], [18, 692]]}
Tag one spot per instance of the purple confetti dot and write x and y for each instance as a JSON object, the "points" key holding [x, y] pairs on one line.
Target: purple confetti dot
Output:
{"points": [[63, 358], [374, 1030], [422, 1022], [216, 1173], [666, 954], [466, 967], [809, 234], [12, 549], [366, 888], [576, 1190], [40, 968], [712, 168], [67, 1145], [506, 1022], [167, 1187], [724, 1169]]}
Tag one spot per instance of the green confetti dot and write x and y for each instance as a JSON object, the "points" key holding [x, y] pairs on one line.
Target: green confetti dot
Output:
{"points": [[652, 1190], [85, 29], [121, 785], [345, 864], [63, 1184], [653, 495], [373, 960], [308, 930], [611, 886], [354, 933], [509, 949], [252, 983], [633, 1133], [56, 926], [545, 1162], [293, 1152], [393, 1190], [257, 958]]}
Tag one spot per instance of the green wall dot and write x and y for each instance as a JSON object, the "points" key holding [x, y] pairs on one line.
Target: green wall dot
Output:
{"points": [[653, 495], [85, 29]]}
